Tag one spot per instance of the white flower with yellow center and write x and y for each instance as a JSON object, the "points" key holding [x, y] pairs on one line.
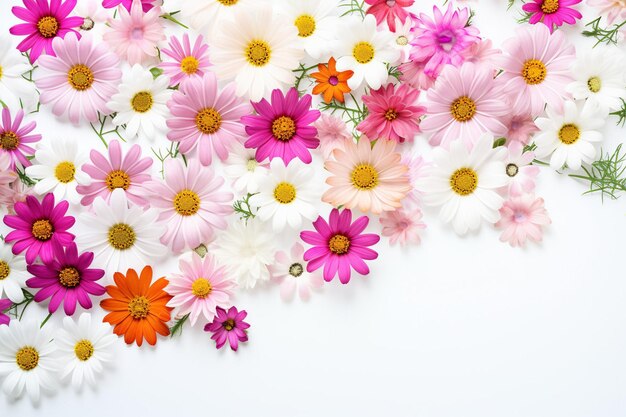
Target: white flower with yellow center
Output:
{"points": [[205, 15], [286, 195], [15, 90], [316, 22], [57, 166], [258, 49], [465, 183], [243, 169], [141, 103], [569, 136], [13, 274], [403, 35], [84, 347], [366, 51]]}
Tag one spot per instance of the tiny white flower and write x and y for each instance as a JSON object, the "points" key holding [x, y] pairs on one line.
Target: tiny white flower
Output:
{"points": [[15, 91], [13, 274], [289, 271], [243, 169]]}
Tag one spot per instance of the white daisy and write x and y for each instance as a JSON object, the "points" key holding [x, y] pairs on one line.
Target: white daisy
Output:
{"points": [[141, 103], [403, 34], [243, 169], [600, 78], [95, 17], [13, 87], [568, 136], [27, 359], [316, 23], [13, 274], [286, 195], [289, 271], [205, 15], [365, 50], [84, 347], [258, 49], [464, 183], [120, 236], [247, 249], [58, 166]]}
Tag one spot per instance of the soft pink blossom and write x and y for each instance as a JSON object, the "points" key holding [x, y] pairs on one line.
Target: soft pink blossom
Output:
{"points": [[332, 133], [520, 127], [612, 9], [522, 218], [519, 170], [413, 74], [289, 272], [402, 226], [182, 60]]}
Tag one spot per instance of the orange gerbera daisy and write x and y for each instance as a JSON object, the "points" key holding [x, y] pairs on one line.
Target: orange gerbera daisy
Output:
{"points": [[331, 82], [137, 309]]}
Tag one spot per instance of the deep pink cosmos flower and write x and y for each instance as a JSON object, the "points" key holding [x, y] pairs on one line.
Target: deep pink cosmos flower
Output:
{"points": [[45, 21], [552, 13], [66, 278], [393, 113], [523, 218], [145, 4], [282, 129], [339, 245], [228, 326], [38, 226], [5, 304], [185, 61], [14, 138], [389, 10]]}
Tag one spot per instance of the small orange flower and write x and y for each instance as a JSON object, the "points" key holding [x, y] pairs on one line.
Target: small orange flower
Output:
{"points": [[137, 309], [331, 82]]}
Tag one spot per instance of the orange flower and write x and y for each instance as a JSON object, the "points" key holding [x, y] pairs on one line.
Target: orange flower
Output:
{"points": [[137, 309], [331, 82]]}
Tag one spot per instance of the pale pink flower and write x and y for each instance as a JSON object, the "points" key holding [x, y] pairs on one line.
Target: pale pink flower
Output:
{"points": [[481, 52], [13, 193], [7, 173], [519, 170], [418, 169], [413, 74], [519, 127], [522, 218], [612, 9], [402, 226], [332, 133], [182, 61], [290, 273]]}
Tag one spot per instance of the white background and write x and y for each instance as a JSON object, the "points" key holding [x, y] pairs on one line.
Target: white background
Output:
{"points": [[455, 327]]}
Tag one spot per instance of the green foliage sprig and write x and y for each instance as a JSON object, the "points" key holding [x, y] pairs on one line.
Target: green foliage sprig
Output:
{"points": [[608, 35]]}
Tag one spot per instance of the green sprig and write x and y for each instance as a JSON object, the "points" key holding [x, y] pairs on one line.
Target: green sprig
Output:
{"points": [[15, 308], [608, 35], [171, 152], [302, 74], [177, 328], [244, 208], [353, 6], [621, 113], [606, 175]]}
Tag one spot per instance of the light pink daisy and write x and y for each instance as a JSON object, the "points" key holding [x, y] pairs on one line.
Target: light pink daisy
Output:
{"points": [[126, 171], [192, 204], [332, 133], [464, 104], [402, 226], [79, 80], [134, 35], [182, 61], [481, 52], [519, 127], [612, 9], [14, 193], [418, 169], [519, 170], [206, 119], [522, 218], [14, 138], [536, 68], [201, 286], [290, 273], [413, 74]]}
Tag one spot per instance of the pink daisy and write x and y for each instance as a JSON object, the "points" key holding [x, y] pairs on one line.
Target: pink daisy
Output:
{"points": [[135, 35], [519, 170], [412, 73], [200, 288], [440, 41], [145, 4], [481, 52], [552, 13], [130, 172], [228, 326], [282, 129], [185, 61], [464, 103], [332, 133], [45, 21], [79, 80], [14, 138], [612, 9], [393, 113], [206, 119], [389, 10], [522, 218], [519, 127], [14, 193], [192, 204], [536, 68], [418, 169], [339, 245], [402, 226], [290, 274]]}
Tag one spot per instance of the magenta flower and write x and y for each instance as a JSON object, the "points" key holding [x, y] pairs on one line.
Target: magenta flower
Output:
{"points": [[552, 13], [393, 114], [66, 278], [145, 4], [228, 326], [340, 245], [14, 138], [389, 10], [282, 129], [186, 61], [523, 218], [38, 226], [45, 21], [5, 304]]}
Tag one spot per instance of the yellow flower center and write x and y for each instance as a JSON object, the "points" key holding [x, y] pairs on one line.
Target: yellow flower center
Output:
{"points": [[42, 230], [512, 170], [27, 358], [122, 236], [142, 101], [339, 244], [251, 165], [80, 77], [48, 26], [9, 141], [295, 270], [569, 134], [0, 72], [463, 109], [464, 181], [69, 277], [208, 121], [229, 324], [228, 2], [305, 25], [402, 40], [285, 193], [189, 65], [201, 288], [391, 115], [364, 177], [186, 203], [117, 179], [258, 53], [550, 6], [139, 307], [534, 71], [594, 84], [363, 52], [65, 172], [283, 128], [5, 270], [83, 350]]}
